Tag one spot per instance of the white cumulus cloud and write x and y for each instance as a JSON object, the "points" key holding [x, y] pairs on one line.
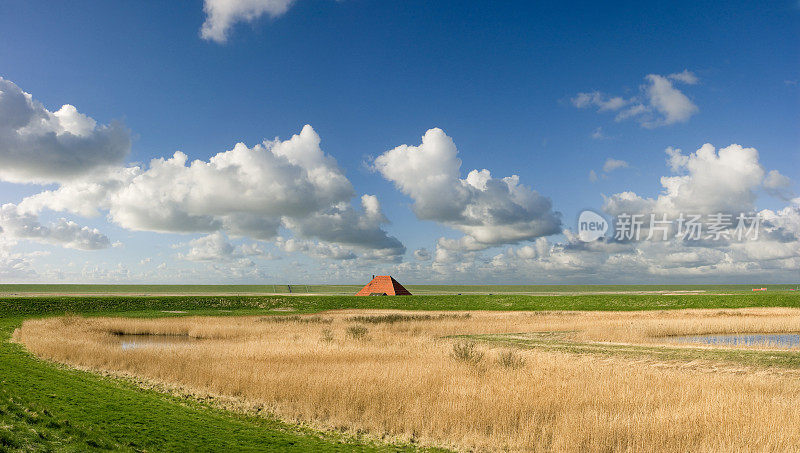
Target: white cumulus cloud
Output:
{"points": [[669, 103], [707, 181], [659, 102], [216, 247], [686, 76], [612, 164], [221, 15], [489, 211], [778, 185], [40, 146], [599, 100], [66, 233], [15, 267], [245, 191], [422, 254], [315, 249]]}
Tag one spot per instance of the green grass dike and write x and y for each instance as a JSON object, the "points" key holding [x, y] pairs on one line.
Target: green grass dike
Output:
{"points": [[158, 305]]}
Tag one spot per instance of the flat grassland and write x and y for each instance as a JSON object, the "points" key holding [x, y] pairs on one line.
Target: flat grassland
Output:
{"points": [[46, 406], [470, 380], [341, 290], [203, 304]]}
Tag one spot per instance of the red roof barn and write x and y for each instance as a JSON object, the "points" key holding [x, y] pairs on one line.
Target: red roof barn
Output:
{"points": [[383, 285]]}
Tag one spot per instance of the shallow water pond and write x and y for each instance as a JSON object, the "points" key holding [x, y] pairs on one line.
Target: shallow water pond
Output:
{"points": [[779, 340], [127, 342]]}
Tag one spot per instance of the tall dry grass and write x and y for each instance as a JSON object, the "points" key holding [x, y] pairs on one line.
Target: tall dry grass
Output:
{"points": [[403, 379]]}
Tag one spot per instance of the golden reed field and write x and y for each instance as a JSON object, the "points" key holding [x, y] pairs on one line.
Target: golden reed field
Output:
{"points": [[401, 376]]}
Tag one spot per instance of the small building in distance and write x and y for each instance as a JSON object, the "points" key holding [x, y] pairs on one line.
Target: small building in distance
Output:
{"points": [[383, 285]]}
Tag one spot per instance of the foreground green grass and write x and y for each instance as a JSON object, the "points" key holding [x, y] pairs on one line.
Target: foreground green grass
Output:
{"points": [[45, 407]]}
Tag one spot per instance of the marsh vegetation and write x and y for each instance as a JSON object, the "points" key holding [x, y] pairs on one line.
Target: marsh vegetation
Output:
{"points": [[435, 380]]}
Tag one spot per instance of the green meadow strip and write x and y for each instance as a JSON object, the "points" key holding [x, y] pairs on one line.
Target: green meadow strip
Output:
{"points": [[37, 306]]}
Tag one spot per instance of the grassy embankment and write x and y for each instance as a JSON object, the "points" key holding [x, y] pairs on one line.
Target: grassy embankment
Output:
{"points": [[43, 406], [52, 305]]}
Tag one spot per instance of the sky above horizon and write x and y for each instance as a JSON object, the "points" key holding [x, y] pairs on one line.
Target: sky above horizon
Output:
{"points": [[324, 141]]}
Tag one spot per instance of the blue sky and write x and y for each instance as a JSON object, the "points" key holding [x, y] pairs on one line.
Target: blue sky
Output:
{"points": [[501, 79]]}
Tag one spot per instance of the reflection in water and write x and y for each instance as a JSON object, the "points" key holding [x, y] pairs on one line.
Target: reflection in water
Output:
{"points": [[781, 340], [143, 341]]}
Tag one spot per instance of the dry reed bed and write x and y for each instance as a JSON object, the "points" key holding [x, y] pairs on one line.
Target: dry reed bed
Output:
{"points": [[400, 379]]}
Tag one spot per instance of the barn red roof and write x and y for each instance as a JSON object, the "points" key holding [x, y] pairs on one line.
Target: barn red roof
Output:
{"points": [[383, 284]]}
